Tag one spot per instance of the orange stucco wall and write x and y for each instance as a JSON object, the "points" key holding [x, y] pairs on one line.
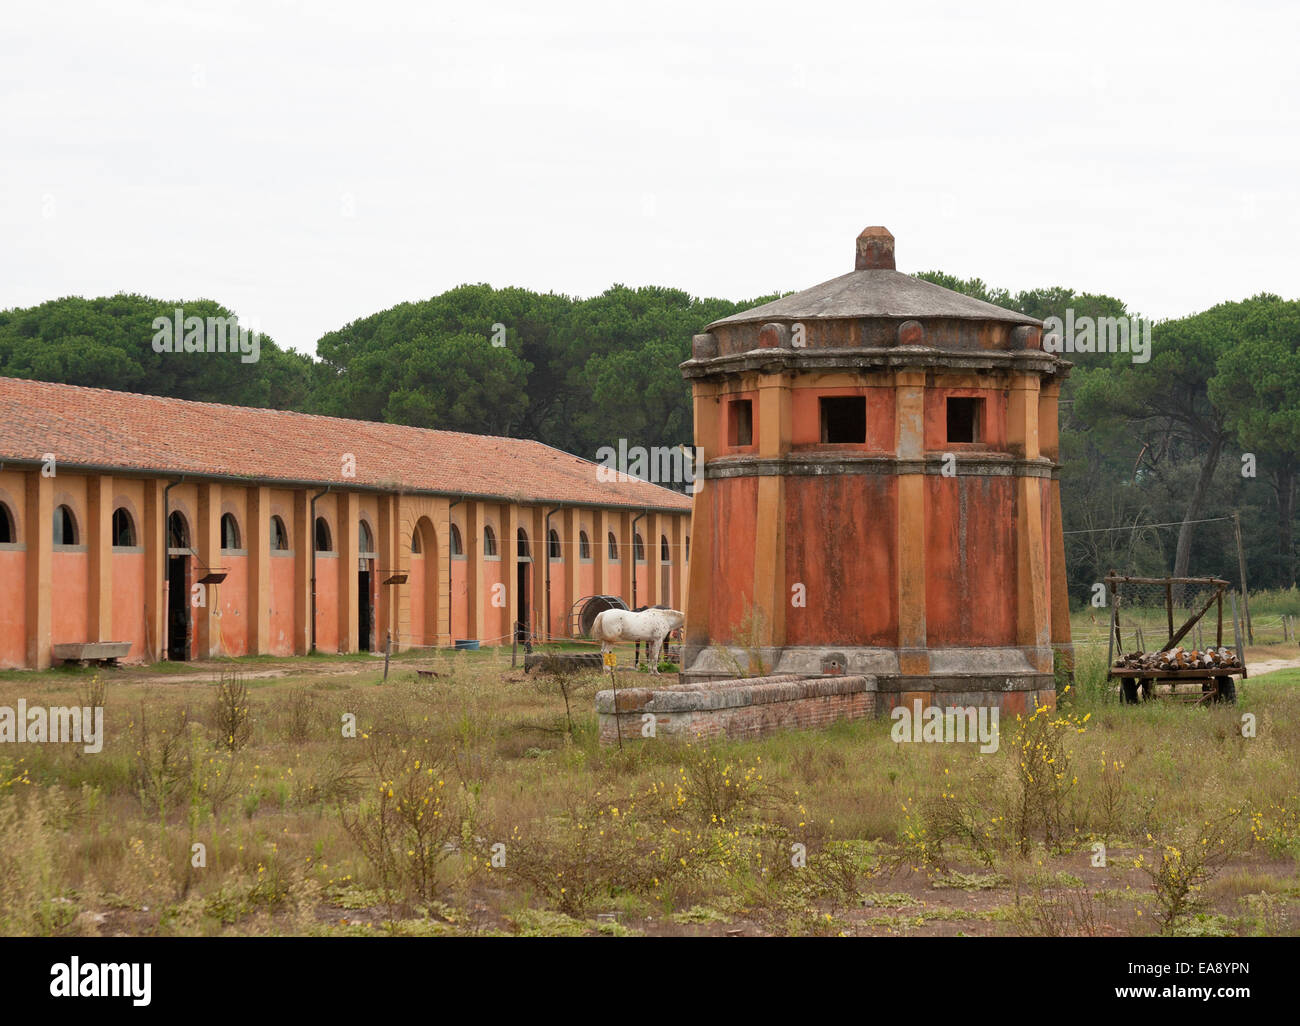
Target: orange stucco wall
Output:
{"points": [[327, 596], [68, 600], [98, 591], [418, 584], [970, 596], [282, 616], [806, 415], [845, 563], [129, 603], [993, 429], [734, 509], [459, 600], [233, 603], [13, 608]]}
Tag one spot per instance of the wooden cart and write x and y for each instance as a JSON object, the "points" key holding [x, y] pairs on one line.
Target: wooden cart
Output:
{"points": [[1216, 683]]}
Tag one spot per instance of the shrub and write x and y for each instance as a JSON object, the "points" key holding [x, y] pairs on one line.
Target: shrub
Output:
{"points": [[230, 712]]}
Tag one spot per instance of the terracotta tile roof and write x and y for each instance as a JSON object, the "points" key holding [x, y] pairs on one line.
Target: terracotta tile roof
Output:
{"points": [[96, 427]]}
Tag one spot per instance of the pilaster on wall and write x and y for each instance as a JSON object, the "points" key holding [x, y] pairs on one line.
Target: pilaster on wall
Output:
{"points": [[207, 621], [540, 550], [1032, 630], [699, 571], [654, 562], [39, 517], [303, 535], [572, 563], [99, 552], [259, 570], [442, 529], [600, 528], [473, 541], [1049, 439], [774, 436], [346, 517], [627, 558], [154, 539], [508, 547], [390, 558], [1022, 417], [909, 399], [677, 540]]}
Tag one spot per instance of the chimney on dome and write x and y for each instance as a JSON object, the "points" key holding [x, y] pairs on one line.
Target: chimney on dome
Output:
{"points": [[875, 250]]}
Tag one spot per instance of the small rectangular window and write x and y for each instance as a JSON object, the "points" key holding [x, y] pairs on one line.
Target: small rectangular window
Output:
{"points": [[844, 419], [965, 417], [740, 427]]}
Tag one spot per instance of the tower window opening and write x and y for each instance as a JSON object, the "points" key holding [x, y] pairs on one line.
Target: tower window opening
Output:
{"points": [[844, 419], [964, 419]]}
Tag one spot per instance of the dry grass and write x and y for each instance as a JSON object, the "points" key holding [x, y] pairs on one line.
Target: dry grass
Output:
{"points": [[473, 802]]}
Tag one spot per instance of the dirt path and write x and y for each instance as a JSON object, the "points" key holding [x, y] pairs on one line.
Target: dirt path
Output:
{"points": [[207, 672], [1269, 665]]}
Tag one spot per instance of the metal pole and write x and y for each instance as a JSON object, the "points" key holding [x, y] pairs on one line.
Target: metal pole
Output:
{"points": [[1241, 566], [618, 724], [388, 649]]}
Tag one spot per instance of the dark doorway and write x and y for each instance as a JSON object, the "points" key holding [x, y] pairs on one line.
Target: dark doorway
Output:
{"points": [[521, 590], [365, 611], [178, 608]]}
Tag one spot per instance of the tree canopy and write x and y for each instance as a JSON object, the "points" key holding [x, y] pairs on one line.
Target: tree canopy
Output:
{"points": [[1153, 453]]}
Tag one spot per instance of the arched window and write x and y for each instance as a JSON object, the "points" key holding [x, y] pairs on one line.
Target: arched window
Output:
{"points": [[8, 526], [229, 532], [613, 546], [584, 545], [489, 540], [521, 547], [123, 529], [178, 532], [553, 546], [279, 535], [638, 547], [365, 540], [65, 526], [324, 543], [663, 549], [457, 546], [416, 549]]}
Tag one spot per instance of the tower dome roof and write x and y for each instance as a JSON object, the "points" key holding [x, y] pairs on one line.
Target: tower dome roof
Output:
{"points": [[874, 288]]}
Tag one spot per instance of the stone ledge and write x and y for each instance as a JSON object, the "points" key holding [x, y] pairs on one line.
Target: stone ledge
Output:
{"points": [[737, 708]]}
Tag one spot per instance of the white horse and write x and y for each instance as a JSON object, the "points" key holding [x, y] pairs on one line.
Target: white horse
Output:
{"points": [[651, 626]]}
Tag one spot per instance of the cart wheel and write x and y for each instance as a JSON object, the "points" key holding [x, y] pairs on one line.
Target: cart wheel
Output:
{"points": [[1128, 691], [1146, 688], [1227, 690]]}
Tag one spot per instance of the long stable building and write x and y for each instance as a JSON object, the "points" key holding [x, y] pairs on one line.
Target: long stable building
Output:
{"points": [[288, 532]]}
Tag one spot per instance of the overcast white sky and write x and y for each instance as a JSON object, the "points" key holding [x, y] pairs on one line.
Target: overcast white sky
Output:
{"points": [[216, 150]]}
